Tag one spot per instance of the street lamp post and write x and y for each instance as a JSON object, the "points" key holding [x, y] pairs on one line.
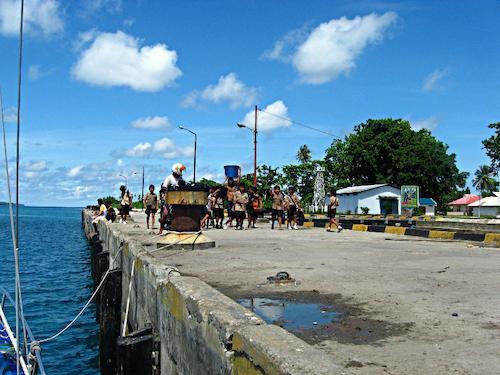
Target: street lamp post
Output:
{"points": [[126, 178], [195, 142], [254, 131]]}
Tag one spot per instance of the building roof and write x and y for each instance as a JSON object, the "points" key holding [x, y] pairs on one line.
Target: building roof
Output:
{"points": [[465, 200], [493, 201], [427, 202], [359, 188]]}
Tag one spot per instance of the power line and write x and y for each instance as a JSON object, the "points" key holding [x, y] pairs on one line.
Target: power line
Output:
{"points": [[301, 124]]}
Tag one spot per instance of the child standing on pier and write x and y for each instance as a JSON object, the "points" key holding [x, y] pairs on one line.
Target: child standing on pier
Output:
{"points": [[277, 207], [218, 208], [151, 203], [254, 203], [332, 211], [240, 201], [125, 204], [292, 206]]}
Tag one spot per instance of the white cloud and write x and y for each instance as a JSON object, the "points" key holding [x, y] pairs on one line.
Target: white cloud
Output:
{"points": [[10, 115], [333, 47], [151, 122], [228, 89], [165, 147], [34, 72], [36, 166], [118, 59], [267, 122], [429, 123], [111, 6], [140, 149], [40, 16], [128, 22], [75, 171], [283, 48], [432, 80]]}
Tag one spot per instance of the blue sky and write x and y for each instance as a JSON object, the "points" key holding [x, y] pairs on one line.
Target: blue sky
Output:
{"points": [[108, 82]]}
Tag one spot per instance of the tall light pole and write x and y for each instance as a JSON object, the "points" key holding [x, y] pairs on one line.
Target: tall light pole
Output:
{"points": [[254, 131], [195, 141]]}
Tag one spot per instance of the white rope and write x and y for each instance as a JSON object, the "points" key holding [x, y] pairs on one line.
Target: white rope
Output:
{"points": [[132, 273], [102, 282], [84, 307]]}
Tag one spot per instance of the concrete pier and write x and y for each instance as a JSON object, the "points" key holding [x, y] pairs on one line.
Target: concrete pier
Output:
{"points": [[409, 305], [199, 330]]}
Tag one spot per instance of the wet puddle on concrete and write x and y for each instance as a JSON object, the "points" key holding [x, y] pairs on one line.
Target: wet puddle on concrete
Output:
{"points": [[294, 316], [316, 317]]}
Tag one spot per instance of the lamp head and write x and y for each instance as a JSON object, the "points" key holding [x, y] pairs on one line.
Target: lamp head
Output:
{"points": [[181, 127], [240, 125]]}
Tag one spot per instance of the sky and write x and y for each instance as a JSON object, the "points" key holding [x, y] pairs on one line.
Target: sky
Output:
{"points": [[107, 83]]}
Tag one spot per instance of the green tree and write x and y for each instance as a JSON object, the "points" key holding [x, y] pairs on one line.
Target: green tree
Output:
{"points": [[390, 151], [267, 178], [483, 180], [492, 147], [304, 154], [208, 182], [302, 178]]}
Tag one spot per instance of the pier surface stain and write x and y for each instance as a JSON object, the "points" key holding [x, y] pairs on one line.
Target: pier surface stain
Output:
{"points": [[336, 317]]}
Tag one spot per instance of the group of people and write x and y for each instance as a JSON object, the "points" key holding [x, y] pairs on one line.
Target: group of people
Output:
{"points": [[231, 197], [242, 204]]}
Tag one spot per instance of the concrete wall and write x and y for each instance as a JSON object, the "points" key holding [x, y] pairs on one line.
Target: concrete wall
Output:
{"points": [[201, 331], [370, 199], [490, 211]]}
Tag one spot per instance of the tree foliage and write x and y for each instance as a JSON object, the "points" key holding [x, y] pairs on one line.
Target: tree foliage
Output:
{"points": [[483, 180], [304, 154], [492, 147], [390, 151]]}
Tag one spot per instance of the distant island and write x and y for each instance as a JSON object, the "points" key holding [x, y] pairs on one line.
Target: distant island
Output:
{"points": [[7, 203]]}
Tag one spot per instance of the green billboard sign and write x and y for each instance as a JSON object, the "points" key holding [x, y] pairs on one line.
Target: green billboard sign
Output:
{"points": [[409, 196]]}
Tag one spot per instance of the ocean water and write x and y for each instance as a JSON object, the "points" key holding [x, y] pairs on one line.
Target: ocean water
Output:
{"points": [[56, 283]]}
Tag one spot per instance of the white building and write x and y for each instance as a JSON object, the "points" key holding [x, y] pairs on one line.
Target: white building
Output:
{"points": [[489, 206], [379, 199]]}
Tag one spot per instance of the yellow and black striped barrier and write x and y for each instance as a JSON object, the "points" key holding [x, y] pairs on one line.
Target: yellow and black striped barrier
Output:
{"points": [[486, 238]]}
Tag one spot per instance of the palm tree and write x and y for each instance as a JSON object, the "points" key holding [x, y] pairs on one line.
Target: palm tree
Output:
{"points": [[304, 154], [483, 179]]}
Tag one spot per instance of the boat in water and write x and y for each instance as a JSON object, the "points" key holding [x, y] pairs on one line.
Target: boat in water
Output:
{"points": [[9, 345]]}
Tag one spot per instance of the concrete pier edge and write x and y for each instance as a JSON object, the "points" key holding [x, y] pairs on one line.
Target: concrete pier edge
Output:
{"points": [[199, 329]]}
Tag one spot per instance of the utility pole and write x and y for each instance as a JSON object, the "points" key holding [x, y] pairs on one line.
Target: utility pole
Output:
{"points": [[255, 149], [142, 195]]}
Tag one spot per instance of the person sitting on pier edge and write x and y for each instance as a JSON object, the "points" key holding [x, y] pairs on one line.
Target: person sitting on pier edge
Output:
{"points": [[125, 204], [332, 211], [240, 201], [170, 182], [99, 214], [110, 213], [277, 207], [151, 203], [231, 188], [292, 206]]}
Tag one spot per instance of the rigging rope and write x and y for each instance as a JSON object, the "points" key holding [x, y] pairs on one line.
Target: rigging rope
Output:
{"points": [[38, 342], [13, 234], [19, 300]]}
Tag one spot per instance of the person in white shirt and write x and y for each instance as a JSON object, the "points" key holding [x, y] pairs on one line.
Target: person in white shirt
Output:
{"points": [[171, 181]]}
